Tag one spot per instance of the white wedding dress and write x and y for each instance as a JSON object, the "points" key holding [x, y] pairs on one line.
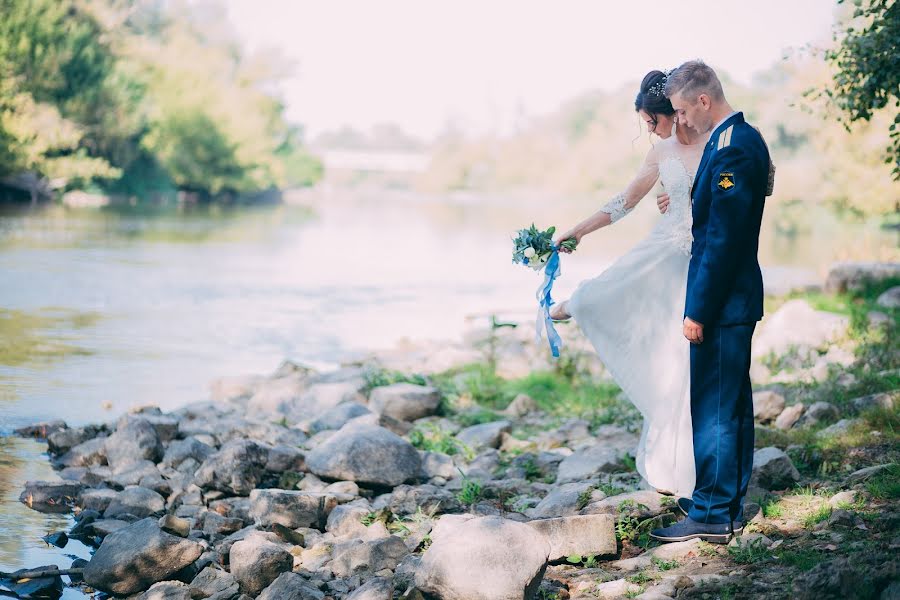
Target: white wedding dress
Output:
{"points": [[633, 313]]}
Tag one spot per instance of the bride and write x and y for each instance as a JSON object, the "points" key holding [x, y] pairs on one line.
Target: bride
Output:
{"points": [[633, 311]]}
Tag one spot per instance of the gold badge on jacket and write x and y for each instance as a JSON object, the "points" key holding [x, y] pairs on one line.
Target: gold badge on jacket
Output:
{"points": [[726, 181]]}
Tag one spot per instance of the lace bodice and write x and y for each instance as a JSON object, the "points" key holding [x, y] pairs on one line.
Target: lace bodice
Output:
{"points": [[674, 164]]}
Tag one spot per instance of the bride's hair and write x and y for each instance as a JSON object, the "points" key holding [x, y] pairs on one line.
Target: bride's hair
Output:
{"points": [[652, 97]]}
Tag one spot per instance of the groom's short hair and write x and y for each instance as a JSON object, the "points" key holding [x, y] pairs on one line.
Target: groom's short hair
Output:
{"points": [[693, 78]]}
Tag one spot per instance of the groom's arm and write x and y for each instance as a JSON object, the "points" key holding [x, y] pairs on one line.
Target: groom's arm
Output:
{"points": [[729, 221]]}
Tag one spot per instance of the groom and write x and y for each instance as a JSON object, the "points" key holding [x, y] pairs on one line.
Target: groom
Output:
{"points": [[724, 302]]}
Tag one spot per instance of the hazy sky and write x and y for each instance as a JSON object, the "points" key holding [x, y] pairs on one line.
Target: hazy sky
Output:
{"points": [[419, 63]]}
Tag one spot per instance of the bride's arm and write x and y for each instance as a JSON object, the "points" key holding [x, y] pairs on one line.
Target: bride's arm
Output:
{"points": [[622, 203]]}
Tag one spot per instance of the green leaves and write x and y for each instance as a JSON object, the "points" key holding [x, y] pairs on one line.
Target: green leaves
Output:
{"points": [[866, 77]]}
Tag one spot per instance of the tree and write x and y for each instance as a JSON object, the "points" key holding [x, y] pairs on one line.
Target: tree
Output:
{"points": [[866, 77]]}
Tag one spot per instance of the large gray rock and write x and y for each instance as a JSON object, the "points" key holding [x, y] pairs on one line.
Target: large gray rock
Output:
{"points": [[885, 400], [606, 456], [285, 458], [61, 441], [561, 501], [291, 508], [47, 495], [366, 454], [337, 417], [135, 440], [819, 413], [485, 435], [215, 584], [166, 590], [360, 557], [136, 501], [297, 400], [237, 468], [377, 588], [584, 534], [135, 557], [86, 454], [890, 298], [190, 450], [346, 520], [484, 558], [291, 586], [651, 499], [767, 405], [96, 499], [797, 326], [256, 563], [405, 401], [408, 499], [853, 276], [773, 469]]}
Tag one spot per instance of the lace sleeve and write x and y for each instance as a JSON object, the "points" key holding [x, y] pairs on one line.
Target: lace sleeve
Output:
{"points": [[615, 208], [622, 203]]}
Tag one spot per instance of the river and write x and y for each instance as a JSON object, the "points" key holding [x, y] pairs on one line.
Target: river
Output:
{"points": [[106, 309]]}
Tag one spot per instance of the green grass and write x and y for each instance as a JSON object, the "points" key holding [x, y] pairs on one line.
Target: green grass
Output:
{"points": [[557, 393], [749, 552], [885, 485], [610, 489], [664, 565], [382, 377], [802, 558], [640, 578], [472, 491], [817, 516], [431, 438], [771, 509]]}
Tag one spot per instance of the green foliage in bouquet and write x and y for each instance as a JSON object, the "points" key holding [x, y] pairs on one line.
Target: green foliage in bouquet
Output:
{"points": [[533, 247]]}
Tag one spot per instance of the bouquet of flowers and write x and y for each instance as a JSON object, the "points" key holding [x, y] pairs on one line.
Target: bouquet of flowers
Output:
{"points": [[534, 248]]}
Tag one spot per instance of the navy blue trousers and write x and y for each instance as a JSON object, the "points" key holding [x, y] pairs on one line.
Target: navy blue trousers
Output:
{"points": [[722, 420]]}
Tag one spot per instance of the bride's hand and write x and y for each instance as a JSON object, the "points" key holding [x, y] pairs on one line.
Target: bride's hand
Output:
{"points": [[569, 235]]}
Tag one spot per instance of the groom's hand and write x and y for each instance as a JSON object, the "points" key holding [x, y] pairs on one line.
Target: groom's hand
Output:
{"points": [[693, 331], [662, 201]]}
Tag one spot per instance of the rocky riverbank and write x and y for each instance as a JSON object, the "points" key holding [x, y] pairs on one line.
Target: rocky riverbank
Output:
{"points": [[487, 471]]}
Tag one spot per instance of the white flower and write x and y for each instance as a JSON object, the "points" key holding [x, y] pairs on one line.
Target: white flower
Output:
{"points": [[529, 252]]}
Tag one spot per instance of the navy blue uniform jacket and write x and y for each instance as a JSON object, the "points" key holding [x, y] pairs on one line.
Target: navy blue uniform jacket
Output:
{"points": [[725, 284]]}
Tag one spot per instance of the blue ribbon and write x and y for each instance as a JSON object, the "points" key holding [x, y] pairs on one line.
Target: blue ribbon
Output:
{"points": [[544, 322]]}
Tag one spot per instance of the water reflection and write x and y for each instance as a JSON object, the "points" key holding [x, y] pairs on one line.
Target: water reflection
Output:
{"points": [[22, 528]]}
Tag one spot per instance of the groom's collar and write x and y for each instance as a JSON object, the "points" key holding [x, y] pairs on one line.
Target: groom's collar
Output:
{"points": [[734, 117]]}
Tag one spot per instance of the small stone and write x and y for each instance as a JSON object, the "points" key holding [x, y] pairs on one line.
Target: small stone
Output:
{"points": [[377, 588], [889, 298], [357, 557], [290, 508], [767, 405], [257, 562], [405, 401], [137, 501], [886, 400], [868, 472], [562, 501], [58, 539], [291, 586], [678, 550], [135, 440], [237, 468], [773, 469], [485, 435], [841, 518], [582, 534], [175, 525], [215, 584], [819, 412], [96, 499], [521, 405], [843, 498], [789, 416], [366, 454]]}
